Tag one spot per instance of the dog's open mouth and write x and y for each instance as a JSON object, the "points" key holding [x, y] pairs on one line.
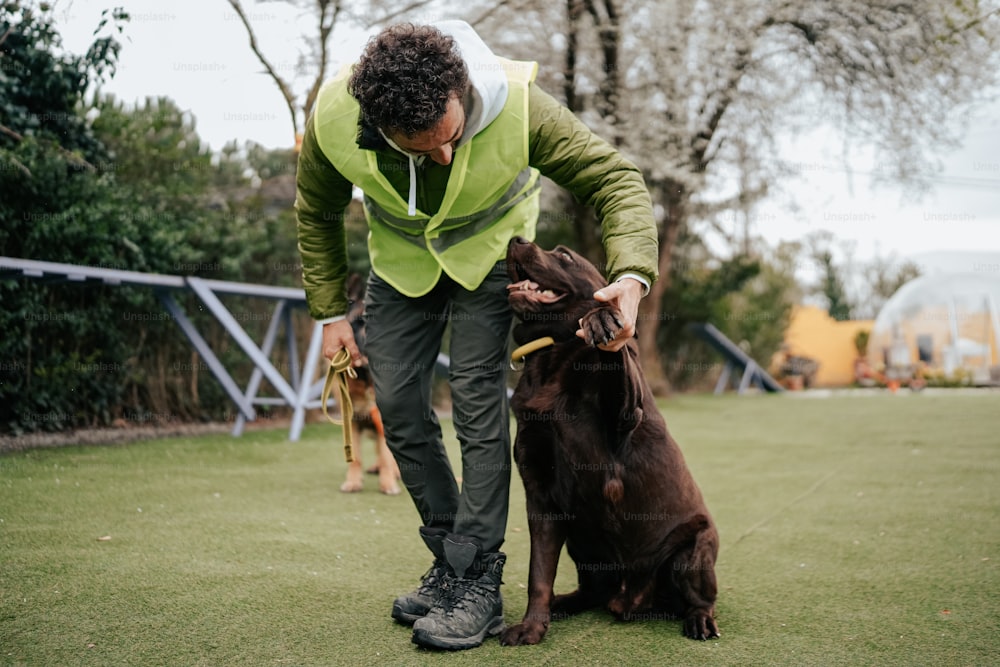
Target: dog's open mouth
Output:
{"points": [[531, 291]]}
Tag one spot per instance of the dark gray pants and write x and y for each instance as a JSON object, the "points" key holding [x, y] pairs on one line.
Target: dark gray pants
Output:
{"points": [[403, 339]]}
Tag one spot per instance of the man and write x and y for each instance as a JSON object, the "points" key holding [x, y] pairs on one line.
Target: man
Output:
{"points": [[446, 141]]}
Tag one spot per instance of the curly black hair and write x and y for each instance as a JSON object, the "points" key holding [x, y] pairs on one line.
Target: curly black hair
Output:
{"points": [[405, 78]]}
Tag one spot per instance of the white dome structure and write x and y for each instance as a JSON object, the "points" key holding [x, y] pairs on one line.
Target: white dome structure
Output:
{"points": [[948, 325]]}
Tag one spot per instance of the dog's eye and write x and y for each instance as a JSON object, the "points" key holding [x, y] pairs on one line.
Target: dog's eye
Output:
{"points": [[565, 255]]}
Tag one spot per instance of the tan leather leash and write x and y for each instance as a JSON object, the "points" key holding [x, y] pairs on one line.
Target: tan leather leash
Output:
{"points": [[339, 371]]}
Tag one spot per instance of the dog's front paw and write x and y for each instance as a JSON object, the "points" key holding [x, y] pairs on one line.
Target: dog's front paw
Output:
{"points": [[699, 624], [602, 325], [523, 634]]}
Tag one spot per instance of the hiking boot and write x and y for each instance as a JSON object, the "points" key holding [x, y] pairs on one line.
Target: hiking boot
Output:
{"points": [[408, 608], [470, 607]]}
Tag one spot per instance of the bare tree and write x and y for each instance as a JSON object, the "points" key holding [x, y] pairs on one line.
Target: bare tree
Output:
{"points": [[689, 89], [883, 276], [600, 16], [314, 64], [327, 12], [832, 285], [700, 86]]}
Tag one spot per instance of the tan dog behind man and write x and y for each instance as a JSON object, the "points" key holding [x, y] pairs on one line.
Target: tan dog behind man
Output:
{"points": [[366, 417]]}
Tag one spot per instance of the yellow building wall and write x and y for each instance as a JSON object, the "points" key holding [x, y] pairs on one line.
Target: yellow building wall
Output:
{"points": [[813, 333]]}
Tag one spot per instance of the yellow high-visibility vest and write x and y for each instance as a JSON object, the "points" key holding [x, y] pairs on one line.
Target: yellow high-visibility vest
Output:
{"points": [[491, 196]]}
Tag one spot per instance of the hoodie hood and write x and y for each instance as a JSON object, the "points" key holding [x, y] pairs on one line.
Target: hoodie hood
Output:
{"points": [[488, 83], [483, 101]]}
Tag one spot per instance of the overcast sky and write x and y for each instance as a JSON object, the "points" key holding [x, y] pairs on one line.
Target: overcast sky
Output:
{"points": [[196, 52]]}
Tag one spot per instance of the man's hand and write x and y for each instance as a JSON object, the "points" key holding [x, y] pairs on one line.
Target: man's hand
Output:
{"points": [[625, 294], [337, 335]]}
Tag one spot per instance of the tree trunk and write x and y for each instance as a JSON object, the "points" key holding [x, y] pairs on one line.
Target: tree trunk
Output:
{"points": [[673, 198], [574, 9], [587, 231]]}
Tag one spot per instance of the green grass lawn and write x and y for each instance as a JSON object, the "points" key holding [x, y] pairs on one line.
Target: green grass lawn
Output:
{"points": [[855, 531]]}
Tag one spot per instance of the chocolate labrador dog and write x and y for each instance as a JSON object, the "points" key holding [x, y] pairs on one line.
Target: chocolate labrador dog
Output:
{"points": [[601, 473]]}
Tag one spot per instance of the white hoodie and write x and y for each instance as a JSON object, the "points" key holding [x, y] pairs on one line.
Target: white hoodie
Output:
{"points": [[484, 100]]}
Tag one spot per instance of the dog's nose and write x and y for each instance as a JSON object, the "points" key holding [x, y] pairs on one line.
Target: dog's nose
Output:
{"points": [[519, 239]]}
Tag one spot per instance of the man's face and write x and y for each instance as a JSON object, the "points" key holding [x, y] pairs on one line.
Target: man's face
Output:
{"points": [[437, 143]]}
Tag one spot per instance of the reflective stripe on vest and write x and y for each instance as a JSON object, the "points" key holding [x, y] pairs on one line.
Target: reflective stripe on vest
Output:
{"points": [[491, 194], [457, 229]]}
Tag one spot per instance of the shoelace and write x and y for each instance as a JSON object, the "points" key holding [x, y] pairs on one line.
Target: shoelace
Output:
{"points": [[428, 582], [458, 593]]}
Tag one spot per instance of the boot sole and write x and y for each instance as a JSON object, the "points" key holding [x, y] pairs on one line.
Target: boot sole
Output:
{"points": [[424, 638]]}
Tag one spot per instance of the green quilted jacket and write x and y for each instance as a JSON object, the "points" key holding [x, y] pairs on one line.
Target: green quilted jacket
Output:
{"points": [[561, 147]]}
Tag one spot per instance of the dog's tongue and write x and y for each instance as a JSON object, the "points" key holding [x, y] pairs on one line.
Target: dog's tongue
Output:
{"points": [[522, 285], [528, 289]]}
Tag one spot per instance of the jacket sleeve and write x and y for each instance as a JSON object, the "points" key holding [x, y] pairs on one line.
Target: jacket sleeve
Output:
{"points": [[565, 150], [321, 200]]}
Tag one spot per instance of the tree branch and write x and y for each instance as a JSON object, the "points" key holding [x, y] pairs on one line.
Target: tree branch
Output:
{"points": [[282, 86], [17, 163], [325, 30], [69, 155], [489, 12], [608, 31], [383, 20], [972, 23], [574, 9]]}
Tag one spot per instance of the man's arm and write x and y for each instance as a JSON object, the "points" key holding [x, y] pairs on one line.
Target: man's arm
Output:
{"points": [[566, 151], [322, 197]]}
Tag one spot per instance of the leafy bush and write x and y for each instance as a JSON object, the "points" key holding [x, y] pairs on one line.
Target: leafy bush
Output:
{"points": [[131, 189], [749, 299]]}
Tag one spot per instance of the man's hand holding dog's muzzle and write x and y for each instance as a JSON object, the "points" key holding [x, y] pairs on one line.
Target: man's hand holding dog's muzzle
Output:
{"points": [[625, 294]]}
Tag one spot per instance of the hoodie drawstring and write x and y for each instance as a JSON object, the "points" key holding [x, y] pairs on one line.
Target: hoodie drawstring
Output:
{"points": [[411, 203], [411, 209]]}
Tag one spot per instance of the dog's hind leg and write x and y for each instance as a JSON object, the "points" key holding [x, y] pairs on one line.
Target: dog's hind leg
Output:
{"points": [[388, 469], [635, 595], [570, 604], [692, 583], [594, 582]]}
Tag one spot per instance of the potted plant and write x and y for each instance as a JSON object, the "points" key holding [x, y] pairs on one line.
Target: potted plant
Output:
{"points": [[864, 375]]}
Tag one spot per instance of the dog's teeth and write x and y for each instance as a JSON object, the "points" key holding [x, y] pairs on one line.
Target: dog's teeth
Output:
{"points": [[548, 292]]}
